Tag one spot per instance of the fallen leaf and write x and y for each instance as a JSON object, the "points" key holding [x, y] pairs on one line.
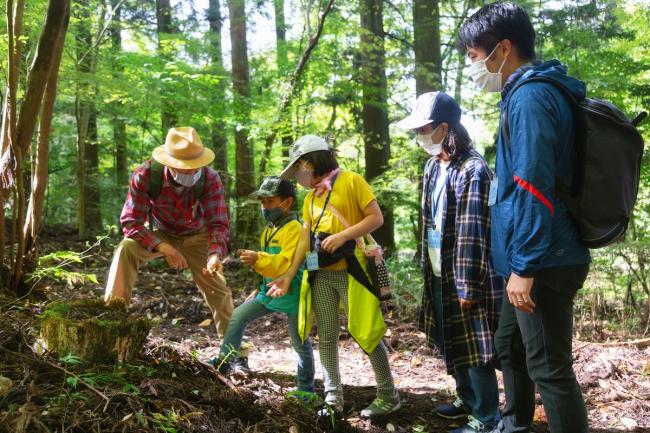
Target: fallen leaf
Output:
{"points": [[205, 323], [293, 429], [127, 417], [629, 423], [390, 427]]}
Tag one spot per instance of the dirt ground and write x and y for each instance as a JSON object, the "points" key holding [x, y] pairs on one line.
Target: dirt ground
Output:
{"points": [[180, 393]]}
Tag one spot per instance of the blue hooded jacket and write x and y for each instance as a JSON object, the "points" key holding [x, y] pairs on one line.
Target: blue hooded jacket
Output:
{"points": [[531, 226]]}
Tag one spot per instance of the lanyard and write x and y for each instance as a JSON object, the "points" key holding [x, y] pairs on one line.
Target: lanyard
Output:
{"points": [[435, 201], [327, 199], [271, 235]]}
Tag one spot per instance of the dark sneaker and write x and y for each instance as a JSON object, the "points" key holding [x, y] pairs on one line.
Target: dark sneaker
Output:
{"points": [[382, 406], [240, 365], [454, 410], [475, 426], [224, 367]]}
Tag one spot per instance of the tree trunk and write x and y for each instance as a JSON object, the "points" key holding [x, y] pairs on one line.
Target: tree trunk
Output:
{"points": [[165, 29], [282, 62], [9, 123], [428, 72], [17, 131], [246, 217], [119, 125], [89, 220], [374, 112], [219, 139], [426, 43], [40, 176]]}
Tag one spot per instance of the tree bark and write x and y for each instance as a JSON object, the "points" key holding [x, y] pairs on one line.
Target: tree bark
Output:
{"points": [[165, 29], [219, 139], [119, 125], [33, 223], [428, 72], [17, 131], [374, 111], [9, 124], [426, 43], [89, 220], [246, 217], [282, 63]]}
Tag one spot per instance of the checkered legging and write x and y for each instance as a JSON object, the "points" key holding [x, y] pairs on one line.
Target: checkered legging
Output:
{"points": [[328, 288]]}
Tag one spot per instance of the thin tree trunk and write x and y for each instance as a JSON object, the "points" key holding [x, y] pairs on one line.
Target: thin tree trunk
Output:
{"points": [[246, 217], [428, 72], [165, 29], [374, 111], [21, 129], [88, 201], [40, 175], [9, 134], [119, 125], [292, 89], [219, 138], [282, 63]]}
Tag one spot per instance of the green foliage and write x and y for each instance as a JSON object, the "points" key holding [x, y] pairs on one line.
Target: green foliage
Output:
{"points": [[407, 283], [603, 42]]}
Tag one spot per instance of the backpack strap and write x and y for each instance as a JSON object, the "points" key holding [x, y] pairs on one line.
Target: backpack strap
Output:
{"points": [[155, 179], [561, 189]]}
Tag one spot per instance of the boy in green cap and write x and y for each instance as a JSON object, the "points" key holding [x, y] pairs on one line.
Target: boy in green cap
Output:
{"points": [[278, 244]]}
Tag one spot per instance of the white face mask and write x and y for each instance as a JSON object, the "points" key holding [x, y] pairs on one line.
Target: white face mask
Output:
{"points": [[426, 142], [187, 179], [483, 78], [304, 176]]}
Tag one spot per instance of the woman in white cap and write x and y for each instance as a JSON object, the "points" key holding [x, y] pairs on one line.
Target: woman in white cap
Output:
{"points": [[338, 211], [462, 294]]}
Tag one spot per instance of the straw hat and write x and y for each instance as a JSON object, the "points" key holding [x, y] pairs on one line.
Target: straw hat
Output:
{"points": [[183, 149]]}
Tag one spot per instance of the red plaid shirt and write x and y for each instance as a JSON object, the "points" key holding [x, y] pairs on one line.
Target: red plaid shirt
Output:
{"points": [[176, 210]]}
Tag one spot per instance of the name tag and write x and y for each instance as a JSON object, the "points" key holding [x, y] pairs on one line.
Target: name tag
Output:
{"points": [[312, 261], [434, 238], [494, 187]]}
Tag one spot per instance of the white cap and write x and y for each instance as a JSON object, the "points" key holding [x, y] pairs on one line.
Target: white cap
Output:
{"points": [[302, 146]]}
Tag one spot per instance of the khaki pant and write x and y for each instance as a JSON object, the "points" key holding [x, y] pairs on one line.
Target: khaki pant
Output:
{"points": [[130, 255]]}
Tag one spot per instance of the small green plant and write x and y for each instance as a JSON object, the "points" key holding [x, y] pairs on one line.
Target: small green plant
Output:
{"points": [[53, 266], [168, 422], [406, 286]]}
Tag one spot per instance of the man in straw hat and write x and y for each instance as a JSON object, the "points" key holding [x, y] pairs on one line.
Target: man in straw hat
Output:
{"points": [[191, 222]]}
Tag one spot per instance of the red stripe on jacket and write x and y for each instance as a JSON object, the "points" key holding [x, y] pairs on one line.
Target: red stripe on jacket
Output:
{"points": [[535, 192]]}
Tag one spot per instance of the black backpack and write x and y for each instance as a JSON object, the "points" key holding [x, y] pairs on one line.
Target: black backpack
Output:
{"points": [[608, 152]]}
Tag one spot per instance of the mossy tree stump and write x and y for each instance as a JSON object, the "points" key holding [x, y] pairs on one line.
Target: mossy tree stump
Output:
{"points": [[95, 332]]}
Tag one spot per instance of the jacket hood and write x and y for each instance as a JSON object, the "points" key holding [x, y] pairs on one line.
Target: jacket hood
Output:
{"points": [[555, 70]]}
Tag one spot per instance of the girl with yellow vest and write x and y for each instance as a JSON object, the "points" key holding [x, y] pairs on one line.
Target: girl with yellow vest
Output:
{"points": [[339, 209]]}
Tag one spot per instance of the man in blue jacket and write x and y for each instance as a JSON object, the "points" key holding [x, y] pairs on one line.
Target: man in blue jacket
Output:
{"points": [[535, 243]]}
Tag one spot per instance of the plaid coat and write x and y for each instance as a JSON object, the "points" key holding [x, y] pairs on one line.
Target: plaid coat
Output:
{"points": [[466, 269]]}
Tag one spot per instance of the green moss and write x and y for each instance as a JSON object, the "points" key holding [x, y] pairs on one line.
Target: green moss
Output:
{"points": [[92, 331]]}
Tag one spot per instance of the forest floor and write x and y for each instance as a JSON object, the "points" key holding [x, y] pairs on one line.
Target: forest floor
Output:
{"points": [[169, 388]]}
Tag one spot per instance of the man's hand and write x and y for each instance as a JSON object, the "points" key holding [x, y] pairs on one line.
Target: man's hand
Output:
{"points": [[174, 259], [466, 304], [519, 292], [213, 266], [248, 257], [279, 286], [333, 242]]}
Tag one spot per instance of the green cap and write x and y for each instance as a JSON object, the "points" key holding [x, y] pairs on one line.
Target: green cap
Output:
{"points": [[274, 185]]}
